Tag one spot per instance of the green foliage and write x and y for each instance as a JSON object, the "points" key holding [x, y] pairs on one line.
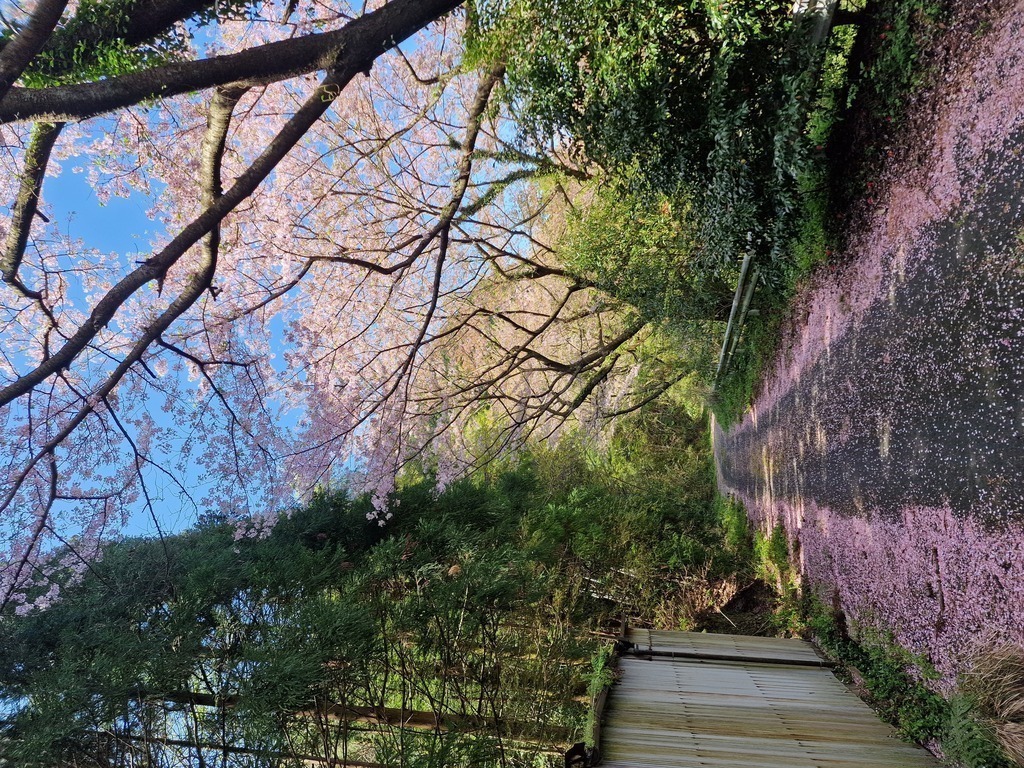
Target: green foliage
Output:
{"points": [[632, 82], [894, 680], [902, 33], [815, 233], [771, 554], [602, 672], [732, 517], [756, 348], [602, 676], [91, 45], [327, 608], [967, 739], [708, 96], [623, 77], [642, 248], [756, 117], [770, 563], [484, 595], [637, 523]]}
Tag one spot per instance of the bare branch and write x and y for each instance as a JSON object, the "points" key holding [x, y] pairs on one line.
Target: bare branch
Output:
{"points": [[650, 397], [444, 222], [594, 356]]}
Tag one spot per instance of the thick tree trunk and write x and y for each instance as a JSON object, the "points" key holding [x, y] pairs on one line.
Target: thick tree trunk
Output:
{"points": [[842, 16], [17, 54]]}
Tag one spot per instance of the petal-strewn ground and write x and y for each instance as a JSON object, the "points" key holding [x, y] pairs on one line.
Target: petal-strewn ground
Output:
{"points": [[889, 437]]}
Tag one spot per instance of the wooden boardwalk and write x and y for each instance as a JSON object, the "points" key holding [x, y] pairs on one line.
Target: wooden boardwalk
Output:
{"points": [[726, 701]]}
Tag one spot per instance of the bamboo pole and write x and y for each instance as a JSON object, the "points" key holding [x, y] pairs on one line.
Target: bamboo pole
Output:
{"points": [[733, 312]]}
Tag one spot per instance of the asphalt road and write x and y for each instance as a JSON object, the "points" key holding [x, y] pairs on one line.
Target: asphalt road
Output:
{"points": [[921, 401], [888, 436]]}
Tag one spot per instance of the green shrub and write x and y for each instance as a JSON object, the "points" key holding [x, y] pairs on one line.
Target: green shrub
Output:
{"points": [[736, 534], [902, 699], [628, 79], [771, 556], [735, 390], [602, 676], [967, 739], [903, 32], [641, 247]]}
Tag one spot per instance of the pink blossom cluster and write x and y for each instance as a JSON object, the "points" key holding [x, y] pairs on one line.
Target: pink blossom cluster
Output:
{"points": [[944, 585]]}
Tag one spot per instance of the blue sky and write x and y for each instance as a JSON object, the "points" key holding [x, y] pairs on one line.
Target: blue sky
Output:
{"points": [[120, 225]]}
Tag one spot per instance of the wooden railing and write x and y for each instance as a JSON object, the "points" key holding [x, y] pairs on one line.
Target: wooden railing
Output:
{"points": [[582, 755]]}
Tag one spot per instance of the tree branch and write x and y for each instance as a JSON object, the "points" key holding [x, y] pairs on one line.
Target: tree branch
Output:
{"points": [[443, 226], [362, 40], [156, 267], [585, 361], [37, 157], [211, 158], [17, 54], [138, 23], [660, 390]]}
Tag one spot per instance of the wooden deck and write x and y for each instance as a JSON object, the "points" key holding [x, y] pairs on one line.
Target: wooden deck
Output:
{"points": [[755, 703]]}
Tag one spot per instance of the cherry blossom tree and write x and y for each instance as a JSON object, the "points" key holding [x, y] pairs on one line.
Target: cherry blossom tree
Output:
{"points": [[355, 268]]}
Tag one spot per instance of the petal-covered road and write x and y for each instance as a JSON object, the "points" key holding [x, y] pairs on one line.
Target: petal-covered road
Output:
{"points": [[889, 438]]}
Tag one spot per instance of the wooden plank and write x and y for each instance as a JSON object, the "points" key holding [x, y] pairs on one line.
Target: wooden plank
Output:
{"points": [[749, 658], [672, 712], [722, 646]]}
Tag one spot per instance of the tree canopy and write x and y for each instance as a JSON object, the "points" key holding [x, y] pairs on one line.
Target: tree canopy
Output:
{"points": [[324, 270], [387, 234]]}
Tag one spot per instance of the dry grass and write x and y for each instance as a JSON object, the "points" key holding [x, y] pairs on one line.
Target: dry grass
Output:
{"points": [[697, 597], [997, 685]]}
